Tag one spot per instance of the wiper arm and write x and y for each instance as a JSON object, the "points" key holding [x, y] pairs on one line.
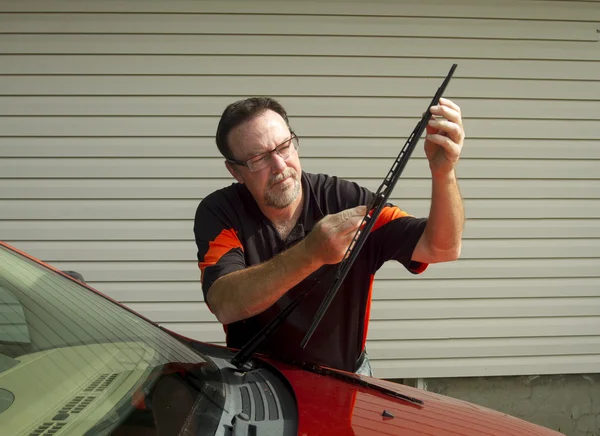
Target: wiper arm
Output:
{"points": [[357, 380], [381, 197]]}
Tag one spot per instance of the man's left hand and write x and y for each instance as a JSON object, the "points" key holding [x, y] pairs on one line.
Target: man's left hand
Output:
{"points": [[445, 137]]}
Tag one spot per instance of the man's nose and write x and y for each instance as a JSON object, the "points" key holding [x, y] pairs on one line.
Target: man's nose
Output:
{"points": [[277, 163]]}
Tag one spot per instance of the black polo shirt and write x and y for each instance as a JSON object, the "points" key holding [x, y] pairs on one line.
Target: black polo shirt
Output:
{"points": [[232, 234]]}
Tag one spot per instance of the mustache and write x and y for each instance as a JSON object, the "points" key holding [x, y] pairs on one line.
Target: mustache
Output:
{"points": [[288, 172]]}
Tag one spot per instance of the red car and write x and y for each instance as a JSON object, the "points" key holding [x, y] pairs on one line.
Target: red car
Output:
{"points": [[75, 362]]}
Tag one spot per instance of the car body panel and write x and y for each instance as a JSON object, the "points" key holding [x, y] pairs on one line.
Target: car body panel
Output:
{"points": [[328, 405]]}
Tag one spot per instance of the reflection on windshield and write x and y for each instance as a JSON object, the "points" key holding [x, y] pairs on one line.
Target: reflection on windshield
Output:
{"points": [[76, 363], [13, 326]]}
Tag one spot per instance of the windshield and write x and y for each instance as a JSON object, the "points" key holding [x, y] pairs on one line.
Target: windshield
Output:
{"points": [[73, 362]]}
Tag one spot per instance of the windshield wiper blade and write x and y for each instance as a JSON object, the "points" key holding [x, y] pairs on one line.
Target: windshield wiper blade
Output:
{"points": [[248, 350], [340, 271], [379, 202]]}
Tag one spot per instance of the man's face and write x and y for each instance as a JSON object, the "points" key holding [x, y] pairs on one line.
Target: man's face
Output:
{"points": [[278, 185]]}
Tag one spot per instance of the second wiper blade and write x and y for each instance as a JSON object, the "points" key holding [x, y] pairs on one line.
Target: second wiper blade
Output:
{"points": [[381, 197]]}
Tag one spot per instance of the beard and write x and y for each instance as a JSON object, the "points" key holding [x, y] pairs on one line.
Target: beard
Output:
{"points": [[280, 196]]}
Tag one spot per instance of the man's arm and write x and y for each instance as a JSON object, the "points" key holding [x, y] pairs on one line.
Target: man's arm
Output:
{"points": [[441, 239], [242, 294]]}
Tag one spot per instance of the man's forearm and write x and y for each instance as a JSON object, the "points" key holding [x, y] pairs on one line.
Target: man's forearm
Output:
{"points": [[446, 219], [242, 294]]}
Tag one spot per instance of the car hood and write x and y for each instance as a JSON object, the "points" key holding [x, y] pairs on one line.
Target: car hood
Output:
{"points": [[330, 406]]}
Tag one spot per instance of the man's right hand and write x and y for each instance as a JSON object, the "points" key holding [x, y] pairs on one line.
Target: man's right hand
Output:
{"points": [[248, 292], [328, 241]]}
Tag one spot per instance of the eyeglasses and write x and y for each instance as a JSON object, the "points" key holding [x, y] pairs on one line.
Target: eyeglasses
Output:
{"points": [[263, 160]]}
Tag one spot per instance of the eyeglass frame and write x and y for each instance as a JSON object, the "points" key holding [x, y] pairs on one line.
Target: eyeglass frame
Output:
{"points": [[244, 163]]}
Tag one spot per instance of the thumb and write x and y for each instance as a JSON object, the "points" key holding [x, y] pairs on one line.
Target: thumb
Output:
{"points": [[430, 129], [345, 215]]}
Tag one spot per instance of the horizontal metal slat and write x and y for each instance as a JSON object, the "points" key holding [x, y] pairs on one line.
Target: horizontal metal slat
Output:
{"points": [[349, 168], [586, 11], [271, 24], [489, 347], [181, 230], [323, 127], [178, 106], [299, 86], [251, 65], [482, 288], [194, 188], [485, 367], [186, 209], [530, 248], [310, 45], [197, 147], [449, 308], [20, 230], [484, 328], [499, 268], [537, 228]]}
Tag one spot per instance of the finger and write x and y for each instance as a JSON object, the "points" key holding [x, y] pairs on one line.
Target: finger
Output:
{"points": [[453, 130], [446, 143], [448, 113], [350, 226], [430, 129], [450, 103], [343, 216]]}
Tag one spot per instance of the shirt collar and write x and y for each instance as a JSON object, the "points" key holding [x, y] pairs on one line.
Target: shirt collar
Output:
{"points": [[311, 211]]}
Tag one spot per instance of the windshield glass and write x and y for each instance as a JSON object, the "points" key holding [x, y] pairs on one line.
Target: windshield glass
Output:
{"points": [[73, 362]]}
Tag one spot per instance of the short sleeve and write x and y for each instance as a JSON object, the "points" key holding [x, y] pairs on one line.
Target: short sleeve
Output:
{"points": [[395, 234], [220, 250]]}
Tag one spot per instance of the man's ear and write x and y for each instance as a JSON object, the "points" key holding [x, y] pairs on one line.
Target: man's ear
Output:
{"points": [[234, 171]]}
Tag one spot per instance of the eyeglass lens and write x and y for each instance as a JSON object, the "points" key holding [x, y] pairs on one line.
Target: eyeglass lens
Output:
{"points": [[283, 150]]}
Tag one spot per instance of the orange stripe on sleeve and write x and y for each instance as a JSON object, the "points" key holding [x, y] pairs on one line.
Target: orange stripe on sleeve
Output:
{"points": [[226, 241], [388, 213]]}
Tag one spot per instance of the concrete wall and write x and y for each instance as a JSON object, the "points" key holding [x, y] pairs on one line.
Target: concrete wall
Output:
{"points": [[566, 403]]}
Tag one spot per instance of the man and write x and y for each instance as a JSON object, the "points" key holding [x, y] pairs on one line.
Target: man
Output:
{"points": [[279, 230]]}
